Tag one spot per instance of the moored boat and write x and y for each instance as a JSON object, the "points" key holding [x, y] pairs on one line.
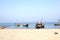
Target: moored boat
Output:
{"points": [[39, 25], [17, 24], [57, 24], [26, 25], [3, 27]]}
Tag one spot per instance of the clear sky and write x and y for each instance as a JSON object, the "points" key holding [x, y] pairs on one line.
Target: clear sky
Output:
{"points": [[29, 10]]}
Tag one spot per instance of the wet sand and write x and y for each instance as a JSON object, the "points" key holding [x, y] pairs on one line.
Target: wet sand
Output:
{"points": [[29, 34]]}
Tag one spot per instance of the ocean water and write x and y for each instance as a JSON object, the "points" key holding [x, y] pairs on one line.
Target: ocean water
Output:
{"points": [[47, 25]]}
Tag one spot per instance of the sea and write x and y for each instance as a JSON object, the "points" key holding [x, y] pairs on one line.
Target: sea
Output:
{"points": [[47, 25]]}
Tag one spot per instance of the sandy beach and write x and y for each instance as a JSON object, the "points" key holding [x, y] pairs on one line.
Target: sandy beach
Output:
{"points": [[29, 34]]}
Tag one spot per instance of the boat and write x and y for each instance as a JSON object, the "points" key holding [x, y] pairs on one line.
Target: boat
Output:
{"points": [[3, 27], [26, 25], [17, 24], [39, 25], [57, 24]]}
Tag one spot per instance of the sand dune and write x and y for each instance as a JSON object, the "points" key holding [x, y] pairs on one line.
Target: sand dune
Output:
{"points": [[29, 34]]}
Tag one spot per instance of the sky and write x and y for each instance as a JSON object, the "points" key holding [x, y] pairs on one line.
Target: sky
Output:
{"points": [[29, 10]]}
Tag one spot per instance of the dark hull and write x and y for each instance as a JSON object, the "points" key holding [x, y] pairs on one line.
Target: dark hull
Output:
{"points": [[57, 24], [38, 27], [26, 25]]}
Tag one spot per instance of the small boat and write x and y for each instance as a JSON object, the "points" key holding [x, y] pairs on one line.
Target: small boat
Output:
{"points": [[3, 27], [57, 24], [17, 24], [26, 25], [39, 25]]}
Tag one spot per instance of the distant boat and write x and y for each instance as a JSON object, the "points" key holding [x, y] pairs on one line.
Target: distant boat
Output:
{"points": [[39, 25], [26, 25], [57, 24], [17, 24], [3, 27]]}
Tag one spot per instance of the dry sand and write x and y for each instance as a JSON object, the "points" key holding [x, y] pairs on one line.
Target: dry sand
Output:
{"points": [[29, 34]]}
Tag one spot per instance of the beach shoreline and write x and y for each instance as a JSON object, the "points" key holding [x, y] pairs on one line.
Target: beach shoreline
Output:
{"points": [[29, 34]]}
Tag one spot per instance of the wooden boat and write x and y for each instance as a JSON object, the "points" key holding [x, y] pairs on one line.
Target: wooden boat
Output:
{"points": [[39, 25], [26, 25], [57, 24], [17, 24], [3, 27]]}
